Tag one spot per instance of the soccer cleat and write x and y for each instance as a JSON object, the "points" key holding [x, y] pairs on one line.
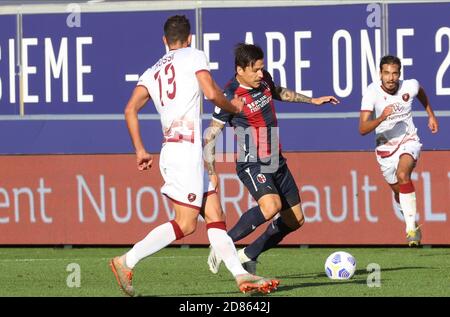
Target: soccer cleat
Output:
{"points": [[214, 261], [248, 264], [414, 236], [249, 283], [123, 274]]}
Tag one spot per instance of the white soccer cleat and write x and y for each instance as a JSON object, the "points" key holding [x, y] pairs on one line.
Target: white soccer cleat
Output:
{"points": [[214, 261], [414, 236], [249, 283]]}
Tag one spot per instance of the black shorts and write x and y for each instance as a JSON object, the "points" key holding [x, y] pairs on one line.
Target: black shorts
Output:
{"points": [[259, 184]]}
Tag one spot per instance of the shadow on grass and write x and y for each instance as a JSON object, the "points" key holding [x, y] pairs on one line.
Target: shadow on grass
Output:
{"points": [[436, 254], [211, 294], [359, 272], [358, 279]]}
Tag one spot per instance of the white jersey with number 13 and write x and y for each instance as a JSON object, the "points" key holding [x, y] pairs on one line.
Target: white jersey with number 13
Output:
{"points": [[173, 86]]}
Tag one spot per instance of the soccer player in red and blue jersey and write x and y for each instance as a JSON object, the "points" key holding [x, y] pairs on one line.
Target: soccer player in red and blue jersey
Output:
{"points": [[260, 164]]}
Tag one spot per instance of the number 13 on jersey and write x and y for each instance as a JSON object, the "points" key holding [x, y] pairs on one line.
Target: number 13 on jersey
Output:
{"points": [[167, 85]]}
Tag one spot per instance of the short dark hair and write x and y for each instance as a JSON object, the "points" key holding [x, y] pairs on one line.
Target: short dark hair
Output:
{"points": [[247, 55], [390, 59], [177, 28]]}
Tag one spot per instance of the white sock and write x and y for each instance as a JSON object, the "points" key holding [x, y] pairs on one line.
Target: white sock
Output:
{"points": [[408, 205], [225, 249], [157, 239]]}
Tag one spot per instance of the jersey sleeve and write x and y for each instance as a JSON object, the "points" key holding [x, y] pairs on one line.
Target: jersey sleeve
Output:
{"points": [[199, 62], [368, 100], [145, 80], [221, 115], [414, 87]]}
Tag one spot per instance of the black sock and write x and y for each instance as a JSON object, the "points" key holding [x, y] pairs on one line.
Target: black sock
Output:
{"points": [[249, 221], [275, 232]]}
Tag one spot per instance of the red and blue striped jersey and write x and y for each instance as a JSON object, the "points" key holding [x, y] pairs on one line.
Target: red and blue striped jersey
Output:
{"points": [[257, 120]]}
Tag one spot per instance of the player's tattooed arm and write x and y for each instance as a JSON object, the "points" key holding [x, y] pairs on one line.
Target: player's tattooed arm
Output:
{"points": [[284, 94], [209, 150]]}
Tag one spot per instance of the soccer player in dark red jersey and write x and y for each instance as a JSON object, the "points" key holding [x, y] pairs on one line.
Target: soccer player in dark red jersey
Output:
{"points": [[260, 164]]}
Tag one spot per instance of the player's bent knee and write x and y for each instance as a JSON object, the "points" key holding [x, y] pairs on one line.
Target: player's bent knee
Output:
{"points": [[403, 177], [188, 227], [270, 209]]}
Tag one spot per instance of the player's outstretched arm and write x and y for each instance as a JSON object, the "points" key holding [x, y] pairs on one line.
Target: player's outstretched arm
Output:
{"points": [[285, 94], [325, 99], [213, 93], [432, 120], [137, 101]]}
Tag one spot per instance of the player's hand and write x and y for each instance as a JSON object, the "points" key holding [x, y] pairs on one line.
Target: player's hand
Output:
{"points": [[144, 160], [387, 112], [214, 180], [237, 103], [433, 124], [325, 99]]}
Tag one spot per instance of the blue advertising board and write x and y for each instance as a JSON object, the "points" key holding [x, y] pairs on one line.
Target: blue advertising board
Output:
{"points": [[302, 51], [77, 79], [102, 58], [424, 46], [8, 66]]}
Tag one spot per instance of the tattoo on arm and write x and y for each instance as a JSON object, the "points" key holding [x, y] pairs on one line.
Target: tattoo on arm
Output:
{"points": [[209, 150], [284, 94]]}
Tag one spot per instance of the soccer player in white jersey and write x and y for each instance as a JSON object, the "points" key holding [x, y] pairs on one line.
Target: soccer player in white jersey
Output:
{"points": [[175, 84], [386, 107]]}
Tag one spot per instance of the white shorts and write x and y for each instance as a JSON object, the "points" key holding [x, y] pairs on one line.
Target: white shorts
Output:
{"points": [[389, 164], [185, 180]]}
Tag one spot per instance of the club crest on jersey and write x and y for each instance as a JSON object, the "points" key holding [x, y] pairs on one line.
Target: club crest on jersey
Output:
{"points": [[405, 97], [191, 197], [261, 178]]}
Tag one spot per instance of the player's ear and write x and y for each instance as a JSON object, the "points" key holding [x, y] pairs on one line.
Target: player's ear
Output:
{"points": [[189, 40], [165, 40], [239, 70]]}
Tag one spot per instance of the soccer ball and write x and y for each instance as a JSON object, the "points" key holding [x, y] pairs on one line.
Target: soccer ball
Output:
{"points": [[340, 265]]}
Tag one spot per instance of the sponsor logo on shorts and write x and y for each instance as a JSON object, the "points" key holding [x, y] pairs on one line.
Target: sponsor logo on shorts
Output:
{"points": [[191, 197], [405, 97], [261, 178]]}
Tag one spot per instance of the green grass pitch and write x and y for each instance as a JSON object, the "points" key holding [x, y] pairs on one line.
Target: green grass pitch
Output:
{"points": [[177, 271]]}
